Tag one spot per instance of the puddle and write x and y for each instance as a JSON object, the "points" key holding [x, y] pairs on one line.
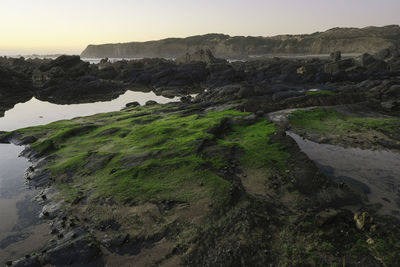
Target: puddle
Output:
{"points": [[375, 173]]}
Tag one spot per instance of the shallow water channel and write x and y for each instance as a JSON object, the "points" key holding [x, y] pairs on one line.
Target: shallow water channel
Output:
{"points": [[21, 230], [375, 173]]}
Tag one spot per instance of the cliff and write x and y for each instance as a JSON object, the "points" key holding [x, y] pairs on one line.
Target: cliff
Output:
{"points": [[347, 40]]}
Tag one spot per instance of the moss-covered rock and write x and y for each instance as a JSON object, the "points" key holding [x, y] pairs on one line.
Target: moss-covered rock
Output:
{"points": [[177, 185]]}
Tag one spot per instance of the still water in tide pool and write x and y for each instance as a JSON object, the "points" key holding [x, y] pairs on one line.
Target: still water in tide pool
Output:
{"points": [[21, 230]]}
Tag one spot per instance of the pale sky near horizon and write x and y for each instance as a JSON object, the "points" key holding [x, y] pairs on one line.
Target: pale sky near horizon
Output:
{"points": [[68, 26]]}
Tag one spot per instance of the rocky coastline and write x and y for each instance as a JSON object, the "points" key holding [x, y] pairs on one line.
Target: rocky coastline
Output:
{"points": [[249, 207]]}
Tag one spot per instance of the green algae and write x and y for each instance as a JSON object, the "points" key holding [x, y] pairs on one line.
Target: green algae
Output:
{"points": [[322, 92], [323, 120], [149, 154], [254, 140]]}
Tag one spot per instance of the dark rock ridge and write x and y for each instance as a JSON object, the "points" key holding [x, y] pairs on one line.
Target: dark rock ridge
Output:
{"points": [[283, 82], [347, 40]]}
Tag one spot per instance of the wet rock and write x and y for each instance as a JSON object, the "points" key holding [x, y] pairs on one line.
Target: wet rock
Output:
{"points": [[151, 103], [28, 262], [132, 104], [79, 251]]}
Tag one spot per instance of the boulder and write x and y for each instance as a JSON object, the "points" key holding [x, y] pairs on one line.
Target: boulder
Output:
{"points": [[132, 104], [393, 91], [338, 66], [370, 62]]}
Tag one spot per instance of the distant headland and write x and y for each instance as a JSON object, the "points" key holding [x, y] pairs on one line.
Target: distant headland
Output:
{"points": [[347, 40]]}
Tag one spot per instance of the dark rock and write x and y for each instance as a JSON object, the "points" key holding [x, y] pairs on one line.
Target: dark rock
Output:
{"points": [[338, 66], [393, 91], [335, 56], [245, 91], [132, 104], [28, 262], [287, 94], [151, 103], [202, 55], [260, 113], [76, 252]]}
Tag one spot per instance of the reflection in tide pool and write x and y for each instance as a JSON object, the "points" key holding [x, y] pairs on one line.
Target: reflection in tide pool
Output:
{"points": [[21, 230], [36, 112], [12, 187], [375, 172]]}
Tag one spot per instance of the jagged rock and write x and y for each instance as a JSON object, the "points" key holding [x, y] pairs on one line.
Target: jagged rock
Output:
{"points": [[370, 62], [80, 251], [338, 66]]}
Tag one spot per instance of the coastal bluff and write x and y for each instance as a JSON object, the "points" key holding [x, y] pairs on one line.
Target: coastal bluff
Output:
{"points": [[347, 40]]}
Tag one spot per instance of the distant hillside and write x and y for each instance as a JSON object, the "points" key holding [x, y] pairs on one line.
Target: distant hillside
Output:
{"points": [[347, 40]]}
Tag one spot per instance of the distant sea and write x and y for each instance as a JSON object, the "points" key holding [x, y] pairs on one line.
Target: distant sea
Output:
{"points": [[90, 60]]}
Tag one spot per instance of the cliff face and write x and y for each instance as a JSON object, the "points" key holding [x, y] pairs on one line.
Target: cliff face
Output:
{"points": [[347, 40]]}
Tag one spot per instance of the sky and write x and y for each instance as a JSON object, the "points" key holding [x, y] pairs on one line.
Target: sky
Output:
{"points": [[68, 26]]}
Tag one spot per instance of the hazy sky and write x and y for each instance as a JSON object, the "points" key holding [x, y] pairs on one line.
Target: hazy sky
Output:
{"points": [[67, 26]]}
